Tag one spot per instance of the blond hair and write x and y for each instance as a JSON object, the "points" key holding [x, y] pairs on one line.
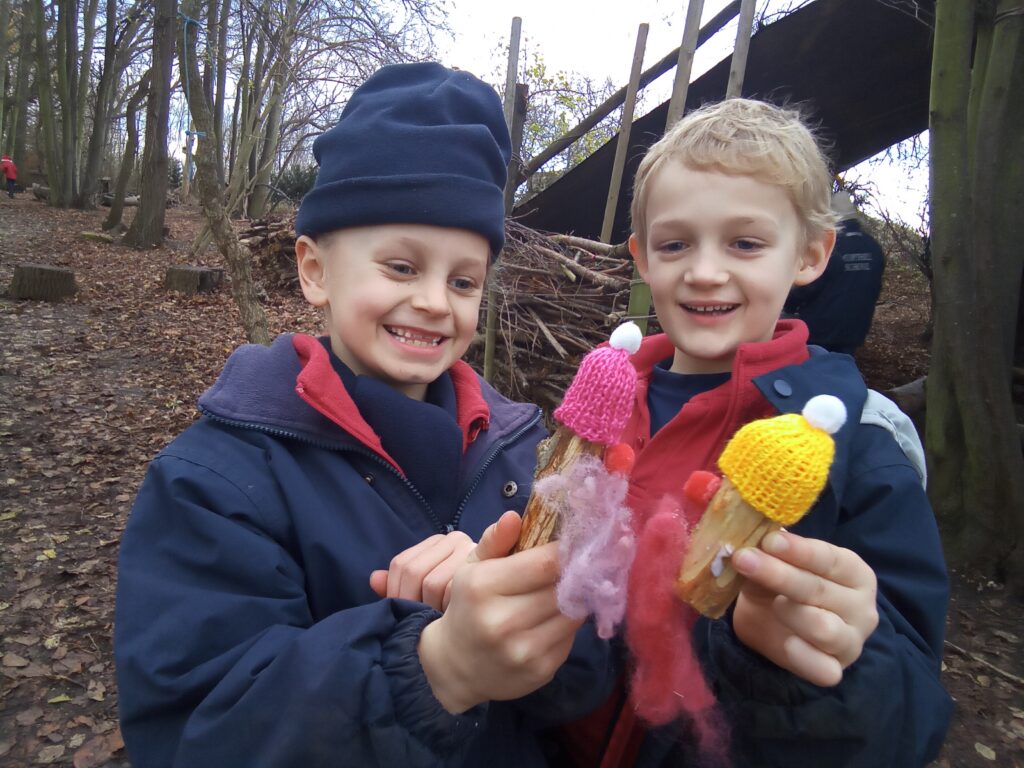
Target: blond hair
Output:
{"points": [[745, 137]]}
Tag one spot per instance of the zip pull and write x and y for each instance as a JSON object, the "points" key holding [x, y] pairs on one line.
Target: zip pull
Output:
{"points": [[449, 528]]}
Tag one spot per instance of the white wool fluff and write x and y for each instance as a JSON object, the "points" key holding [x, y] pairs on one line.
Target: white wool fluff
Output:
{"points": [[627, 336], [826, 412]]}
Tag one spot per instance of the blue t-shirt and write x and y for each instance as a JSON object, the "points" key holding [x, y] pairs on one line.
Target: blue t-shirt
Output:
{"points": [[669, 392]]}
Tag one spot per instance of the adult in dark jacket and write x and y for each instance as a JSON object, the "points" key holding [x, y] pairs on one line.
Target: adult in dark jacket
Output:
{"points": [[248, 632], [838, 307]]}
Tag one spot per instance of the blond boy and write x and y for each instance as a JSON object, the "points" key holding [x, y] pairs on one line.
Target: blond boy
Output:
{"points": [[831, 654]]}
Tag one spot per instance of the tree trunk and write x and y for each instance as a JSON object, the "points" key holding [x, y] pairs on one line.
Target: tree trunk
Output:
{"points": [[19, 120], [131, 149], [222, 74], [976, 465], [47, 120], [104, 97], [147, 228], [5, 47], [211, 196]]}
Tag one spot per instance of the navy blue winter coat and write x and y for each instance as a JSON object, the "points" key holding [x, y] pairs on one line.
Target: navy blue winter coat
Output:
{"points": [[246, 631], [838, 307]]}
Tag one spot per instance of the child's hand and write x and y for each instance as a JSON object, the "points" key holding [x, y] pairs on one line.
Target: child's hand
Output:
{"points": [[424, 572], [807, 605], [502, 636]]}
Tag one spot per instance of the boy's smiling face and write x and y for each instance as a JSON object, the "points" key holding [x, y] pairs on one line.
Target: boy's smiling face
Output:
{"points": [[720, 254], [402, 300]]}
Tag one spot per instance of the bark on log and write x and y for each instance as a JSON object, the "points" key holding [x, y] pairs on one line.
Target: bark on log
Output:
{"points": [[192, 280], [554, 455], [42, 282]]}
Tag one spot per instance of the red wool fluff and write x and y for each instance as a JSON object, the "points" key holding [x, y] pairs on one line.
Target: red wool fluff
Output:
{"points": [[667, 678]]}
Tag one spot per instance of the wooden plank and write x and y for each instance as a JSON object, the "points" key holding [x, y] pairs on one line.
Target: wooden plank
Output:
{"points": [[684, 62], [738, 64], [623, 143]]}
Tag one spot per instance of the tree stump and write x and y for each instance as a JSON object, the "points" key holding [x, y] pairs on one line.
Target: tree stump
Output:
{"points": [[191, 280], [40, 281]]}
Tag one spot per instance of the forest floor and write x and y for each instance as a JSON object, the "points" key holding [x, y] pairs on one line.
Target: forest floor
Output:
{"points": [[92, 387]]}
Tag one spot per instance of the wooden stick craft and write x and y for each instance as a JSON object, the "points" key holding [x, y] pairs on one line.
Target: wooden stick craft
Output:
{"points": [[591, 418], [773, 471]]}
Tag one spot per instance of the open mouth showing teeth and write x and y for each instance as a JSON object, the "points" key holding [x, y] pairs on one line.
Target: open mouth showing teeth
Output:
{"points": [[415, 339], [717, 309]]}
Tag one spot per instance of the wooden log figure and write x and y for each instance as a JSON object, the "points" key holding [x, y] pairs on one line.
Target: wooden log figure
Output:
{"points": [[774, 469], [592, 416]]}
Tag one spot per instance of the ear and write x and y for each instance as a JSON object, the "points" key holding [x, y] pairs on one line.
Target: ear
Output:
{"points": [[310, 260], [815, 257], [639, 254]]}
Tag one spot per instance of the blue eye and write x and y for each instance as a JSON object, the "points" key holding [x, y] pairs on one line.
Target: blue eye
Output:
{"points": [[672, 246], [747, 245], [462, 284], [401, 268]]}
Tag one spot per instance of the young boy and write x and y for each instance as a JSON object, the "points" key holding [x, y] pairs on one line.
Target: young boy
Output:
{"points": [[247, 631], [831, 654]]}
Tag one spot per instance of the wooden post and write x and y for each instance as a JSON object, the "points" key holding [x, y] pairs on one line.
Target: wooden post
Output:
{"points": [[738, 65], [516, 131], [186, 176], [512, 73], [623, 144], [677, 105]]}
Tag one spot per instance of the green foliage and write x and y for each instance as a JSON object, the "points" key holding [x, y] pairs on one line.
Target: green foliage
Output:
{"points": [[295, 181], [175, 173]]}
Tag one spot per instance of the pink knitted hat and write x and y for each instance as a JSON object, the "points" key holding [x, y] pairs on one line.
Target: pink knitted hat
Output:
{"points": [[600, 398]]}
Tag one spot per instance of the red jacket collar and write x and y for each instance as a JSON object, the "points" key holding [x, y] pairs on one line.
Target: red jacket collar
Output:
{"points": [[789, 344], [320, 387]]}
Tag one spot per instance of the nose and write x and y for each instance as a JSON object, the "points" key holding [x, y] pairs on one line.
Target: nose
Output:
{"points": [[431, 296], [705, 267]]}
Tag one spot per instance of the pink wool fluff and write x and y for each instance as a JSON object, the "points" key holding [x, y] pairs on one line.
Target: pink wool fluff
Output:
{"points": [[595, 543], [667, 678], [599, 400]]}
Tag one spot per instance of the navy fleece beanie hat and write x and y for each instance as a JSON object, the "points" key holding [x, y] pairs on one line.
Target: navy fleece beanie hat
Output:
{"points": [[416, 144]]}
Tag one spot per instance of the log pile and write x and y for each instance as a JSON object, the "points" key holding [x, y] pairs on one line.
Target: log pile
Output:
{"points": [[558, 297]]}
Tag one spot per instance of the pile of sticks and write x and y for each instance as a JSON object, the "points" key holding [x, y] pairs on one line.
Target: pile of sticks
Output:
{"points": [[557, 297], [272, 245]]}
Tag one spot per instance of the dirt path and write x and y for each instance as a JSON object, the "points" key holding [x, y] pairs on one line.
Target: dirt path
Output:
{"points": [[91, 388]]}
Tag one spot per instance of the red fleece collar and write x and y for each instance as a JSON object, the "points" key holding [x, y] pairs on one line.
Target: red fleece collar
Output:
{"points": [[789, 342], [320, 387]]}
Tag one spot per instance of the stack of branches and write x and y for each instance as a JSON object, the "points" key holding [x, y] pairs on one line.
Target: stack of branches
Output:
{"points": [[557, 297]]}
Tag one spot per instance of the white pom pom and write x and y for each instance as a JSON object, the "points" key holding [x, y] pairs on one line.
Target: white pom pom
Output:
{"points": [[825, 412], [627, 336]]}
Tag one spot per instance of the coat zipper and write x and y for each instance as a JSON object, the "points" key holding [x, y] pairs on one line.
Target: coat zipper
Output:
{"points": [[498, 448]]}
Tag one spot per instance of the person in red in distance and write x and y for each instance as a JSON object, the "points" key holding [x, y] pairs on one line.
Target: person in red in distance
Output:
{"points": [[10, 174]]}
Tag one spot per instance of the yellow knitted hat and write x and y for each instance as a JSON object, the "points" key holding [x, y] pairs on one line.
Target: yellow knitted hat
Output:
{"points": [[779, 465]]}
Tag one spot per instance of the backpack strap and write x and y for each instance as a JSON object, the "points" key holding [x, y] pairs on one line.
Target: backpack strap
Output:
{"points": [[880, 411]]}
